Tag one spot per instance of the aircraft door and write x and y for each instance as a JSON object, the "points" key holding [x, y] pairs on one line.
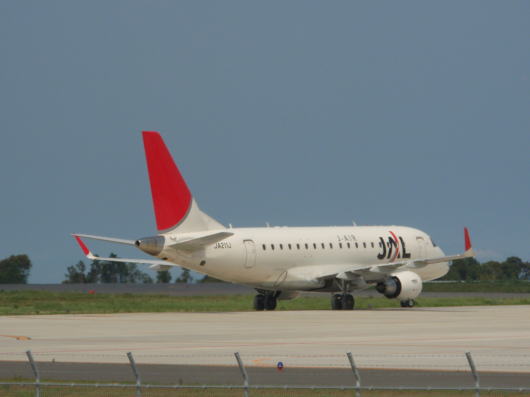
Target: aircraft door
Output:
{"points": [[422, 247], [250, 253]]}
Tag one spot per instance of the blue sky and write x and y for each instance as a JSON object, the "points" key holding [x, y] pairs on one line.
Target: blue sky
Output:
{"points": [[294, 113]]}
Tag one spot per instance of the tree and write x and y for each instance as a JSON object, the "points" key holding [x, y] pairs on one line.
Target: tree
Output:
{"points": [[15, 269], [163, 276], [467, 269], [185, 277], [76, 274], [106, 272]]}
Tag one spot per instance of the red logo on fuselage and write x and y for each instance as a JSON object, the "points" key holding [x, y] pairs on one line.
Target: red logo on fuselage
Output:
{"points": [[392, 248]]}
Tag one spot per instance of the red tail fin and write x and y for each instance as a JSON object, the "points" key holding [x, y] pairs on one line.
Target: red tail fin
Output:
{"points": [[467, 240], [171, 196]]}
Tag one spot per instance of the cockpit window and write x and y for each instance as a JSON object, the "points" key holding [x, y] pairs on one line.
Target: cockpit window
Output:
{"points": [[433, 243]]}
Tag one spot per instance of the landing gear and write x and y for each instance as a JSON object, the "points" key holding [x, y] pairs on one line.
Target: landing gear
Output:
{"points": [[336, 302], [408, 303], [270, 302], [259, 302], [342, 302], [265, 301], [347, 302]]}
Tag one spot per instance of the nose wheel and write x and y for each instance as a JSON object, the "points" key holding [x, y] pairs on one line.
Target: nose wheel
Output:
{"points": [[408, 303]]}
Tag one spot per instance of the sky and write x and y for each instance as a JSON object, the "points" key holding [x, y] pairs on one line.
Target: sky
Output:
{"points": [[299, 113]]}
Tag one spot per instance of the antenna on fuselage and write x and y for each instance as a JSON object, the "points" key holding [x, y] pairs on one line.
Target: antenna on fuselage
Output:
{"points": [[354, 223]]}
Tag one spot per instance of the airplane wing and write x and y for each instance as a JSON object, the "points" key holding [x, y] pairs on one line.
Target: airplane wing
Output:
{"points": [[155, 264], [387, 268]]}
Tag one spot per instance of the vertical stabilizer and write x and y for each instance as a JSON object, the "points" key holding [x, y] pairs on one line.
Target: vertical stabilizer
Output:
{"points": [[173, 203]]}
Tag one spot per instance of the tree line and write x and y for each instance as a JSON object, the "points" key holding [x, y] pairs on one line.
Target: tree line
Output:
{"points": [[16, 269], [105, 272], [469, 269]]}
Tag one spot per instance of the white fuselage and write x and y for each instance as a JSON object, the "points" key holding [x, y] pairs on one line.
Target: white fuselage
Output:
{"points": [[292, 258]]}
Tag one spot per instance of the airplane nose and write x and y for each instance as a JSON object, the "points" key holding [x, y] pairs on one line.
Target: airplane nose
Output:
{"points": [[151, 245]]}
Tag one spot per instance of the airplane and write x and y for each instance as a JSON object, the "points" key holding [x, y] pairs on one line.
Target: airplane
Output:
{"points": [[280, 262]]}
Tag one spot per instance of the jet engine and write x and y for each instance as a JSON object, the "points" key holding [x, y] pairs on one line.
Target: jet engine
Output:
{"points": [[403, 285]]}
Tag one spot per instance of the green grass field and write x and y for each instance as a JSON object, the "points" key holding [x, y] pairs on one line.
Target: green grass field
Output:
{"points": [[41, 302], [519, 287]]}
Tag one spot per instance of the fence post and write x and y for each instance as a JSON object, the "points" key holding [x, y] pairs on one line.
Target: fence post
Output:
{"points": [[243, 373], [474, 372], [136, 375], [35, 372], [356, 375]]}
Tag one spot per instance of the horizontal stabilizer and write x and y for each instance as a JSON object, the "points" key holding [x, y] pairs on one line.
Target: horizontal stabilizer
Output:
{"points": [[109, 239], [200, 242], [91, 256]]}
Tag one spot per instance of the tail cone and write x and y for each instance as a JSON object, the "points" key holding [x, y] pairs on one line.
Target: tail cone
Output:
{"points": [[151, 245]]}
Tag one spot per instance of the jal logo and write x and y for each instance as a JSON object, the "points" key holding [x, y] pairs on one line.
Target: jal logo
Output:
{"points": [[392, 248]]}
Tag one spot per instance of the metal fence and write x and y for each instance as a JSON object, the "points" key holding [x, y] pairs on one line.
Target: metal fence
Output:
{"points": [[39, 388]]}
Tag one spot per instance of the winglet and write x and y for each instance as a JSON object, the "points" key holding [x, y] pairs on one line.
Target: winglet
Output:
{"points": [[83, 246], [467, 239]]}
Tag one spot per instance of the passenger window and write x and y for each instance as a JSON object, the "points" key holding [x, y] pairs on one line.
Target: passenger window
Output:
{"points": [[356, 245], [340, 245], [264, 247], [372, 245], [314, 246], [330, 245], [297, 246], [289, 246], [306, 246], [272, 247], [364, 245], [323, 246], [281, 246], [348, 245]]}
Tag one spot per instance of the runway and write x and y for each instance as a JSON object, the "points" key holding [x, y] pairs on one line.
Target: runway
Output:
{"points": [[415, 340]]}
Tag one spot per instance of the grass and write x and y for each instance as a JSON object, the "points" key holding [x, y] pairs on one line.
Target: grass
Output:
{"points": [[43, 302], [513, 286]]}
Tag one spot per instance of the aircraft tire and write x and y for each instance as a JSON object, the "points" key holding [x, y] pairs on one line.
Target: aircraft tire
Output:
{"points": [[336, 302], [348, 302], [270, 302], [259, 302], [408, 303]]}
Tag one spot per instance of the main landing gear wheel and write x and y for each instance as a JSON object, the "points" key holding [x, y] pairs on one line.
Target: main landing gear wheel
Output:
{"points": [[342, 302], [270, 302], [259, 302], [336, 302], [347, 302], [265, 302], [408, 303]]}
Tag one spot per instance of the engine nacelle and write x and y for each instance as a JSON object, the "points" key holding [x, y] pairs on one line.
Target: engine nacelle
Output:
{"points": [[403, 285]]}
